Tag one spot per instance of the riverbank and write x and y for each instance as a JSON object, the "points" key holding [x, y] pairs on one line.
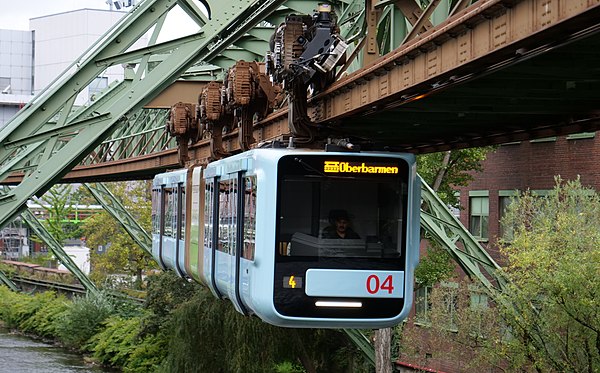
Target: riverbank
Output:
{"points": [[86, 325], [20, 353]]}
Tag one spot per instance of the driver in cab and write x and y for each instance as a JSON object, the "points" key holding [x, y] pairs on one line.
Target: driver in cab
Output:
{"points": [[339, 226]]}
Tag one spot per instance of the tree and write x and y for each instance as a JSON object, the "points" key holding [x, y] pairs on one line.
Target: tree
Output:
{"points": [[444, 172], [552, 307], [58, 204], [122, 254]]}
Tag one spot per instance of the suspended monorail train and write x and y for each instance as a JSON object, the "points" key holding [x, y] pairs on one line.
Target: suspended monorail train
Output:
{"points": [[299, 238]]}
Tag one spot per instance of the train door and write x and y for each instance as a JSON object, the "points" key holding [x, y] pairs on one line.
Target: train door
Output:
{"points": [[227, 236], [157, 223], [211, 224], [234, 232]]}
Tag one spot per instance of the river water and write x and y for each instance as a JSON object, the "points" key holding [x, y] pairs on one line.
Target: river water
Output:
{"points": [[19, 354]]}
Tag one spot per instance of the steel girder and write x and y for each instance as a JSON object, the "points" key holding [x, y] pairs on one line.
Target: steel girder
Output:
{"points": [[8, 282], [448, 231], [116, 209], [63, 139], [57, 249]]}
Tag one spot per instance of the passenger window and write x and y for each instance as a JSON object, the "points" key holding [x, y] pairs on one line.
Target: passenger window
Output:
{"points": [[249, 217], [227, 216], [181, 224], [208, 213]]}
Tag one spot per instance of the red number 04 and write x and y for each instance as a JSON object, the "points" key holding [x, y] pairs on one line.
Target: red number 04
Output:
{"points": [[374, 284]]}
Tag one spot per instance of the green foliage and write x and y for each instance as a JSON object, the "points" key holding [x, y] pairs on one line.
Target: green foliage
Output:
{"points": [[83, 318], [553, 304], [147, 355], [44, 321], [114, 345], [166, 292], [456, 172], [288, 367], [462, 328], [436, 266], [201, 330], [36, 314], [57, 202], [123, 255]]}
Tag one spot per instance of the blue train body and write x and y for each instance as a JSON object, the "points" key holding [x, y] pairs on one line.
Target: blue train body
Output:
{"points": [[259, 229]]}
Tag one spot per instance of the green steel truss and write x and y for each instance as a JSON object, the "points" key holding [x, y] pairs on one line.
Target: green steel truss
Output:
{"points": [[57, 249], [445, 229], [50, 135], [120, 213], [143, 134], [8, 282]]}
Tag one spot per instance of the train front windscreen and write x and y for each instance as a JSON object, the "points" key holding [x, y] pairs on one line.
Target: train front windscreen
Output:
{"points": [[341, 236]]}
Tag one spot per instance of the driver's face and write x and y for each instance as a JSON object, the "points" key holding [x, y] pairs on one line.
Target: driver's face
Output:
{"points": [[341, 225]]}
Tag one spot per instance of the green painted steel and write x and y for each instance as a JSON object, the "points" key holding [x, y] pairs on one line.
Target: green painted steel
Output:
{"points": [[448, 231], [116, 209], [57, 249], [49, 137], [363, 343], [8, 282], [67, 138]]}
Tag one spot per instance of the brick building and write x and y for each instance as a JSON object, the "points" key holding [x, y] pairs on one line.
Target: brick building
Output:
{"points": [[511, 167], [525, 165]]}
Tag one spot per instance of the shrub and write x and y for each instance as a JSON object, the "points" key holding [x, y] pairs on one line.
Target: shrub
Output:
{"points": [[83, 318], [44, 322]]}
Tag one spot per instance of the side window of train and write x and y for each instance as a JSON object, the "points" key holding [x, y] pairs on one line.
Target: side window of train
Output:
{"points": [[155, 213], [249, 217], [181, 212], [168, 203], [227, 215], [208, 213]]}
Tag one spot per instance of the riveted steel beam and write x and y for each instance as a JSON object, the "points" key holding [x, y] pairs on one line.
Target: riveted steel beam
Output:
{"points": [[57, 249], [66, 146]]}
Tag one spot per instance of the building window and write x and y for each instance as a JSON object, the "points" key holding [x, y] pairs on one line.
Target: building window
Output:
{"points": [[581, 135], [506, 197], [543, 139], [5, 85], [479, 307], [479, 214], [423, 305], [450, 300]]}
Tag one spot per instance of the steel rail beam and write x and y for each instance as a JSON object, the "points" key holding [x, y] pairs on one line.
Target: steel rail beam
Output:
{"points": [[476, 41]]}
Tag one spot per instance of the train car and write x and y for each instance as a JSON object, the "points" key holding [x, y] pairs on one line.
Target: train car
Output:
{"points": [[299, 238]]}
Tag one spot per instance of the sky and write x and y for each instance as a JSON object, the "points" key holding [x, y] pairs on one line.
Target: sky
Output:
{"points": [[15, 15]]}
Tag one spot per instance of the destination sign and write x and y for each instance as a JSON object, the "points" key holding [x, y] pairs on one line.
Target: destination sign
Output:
{"points": [[358, 168]]}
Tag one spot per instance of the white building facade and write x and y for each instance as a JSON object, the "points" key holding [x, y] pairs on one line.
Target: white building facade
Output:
{"points": [[31, 60]]}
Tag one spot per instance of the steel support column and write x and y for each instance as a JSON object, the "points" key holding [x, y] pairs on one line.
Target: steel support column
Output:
{"points": [[448, 231], [57, 249], [8, 282]]}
